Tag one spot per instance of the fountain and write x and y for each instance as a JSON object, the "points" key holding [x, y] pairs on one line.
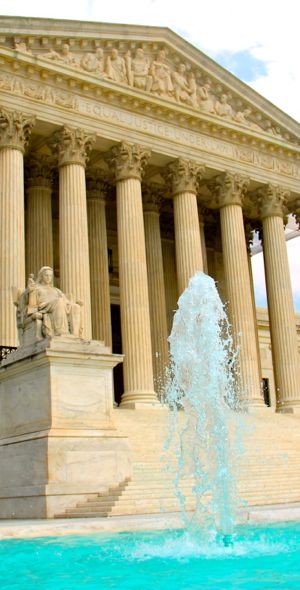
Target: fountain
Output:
{"points": [[201, 382], [204, 437]]}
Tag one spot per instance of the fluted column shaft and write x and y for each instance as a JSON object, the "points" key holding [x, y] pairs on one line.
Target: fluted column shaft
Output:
{"points": [[73, 239], [280, 303], [72, 147], [203, 247], [157, 298], [170, 278], [238, 285], [100, 297], [12, 249], [134, 298], [183, 176], [39, 238], [187, 238], [14, 135]]}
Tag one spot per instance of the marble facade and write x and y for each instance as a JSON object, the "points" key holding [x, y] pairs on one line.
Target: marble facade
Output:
{"points": [[144, 162]]}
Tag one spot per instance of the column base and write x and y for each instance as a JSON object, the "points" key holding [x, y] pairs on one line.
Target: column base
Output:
{"points": [[140, 400], [289, 408], [260, 409]]}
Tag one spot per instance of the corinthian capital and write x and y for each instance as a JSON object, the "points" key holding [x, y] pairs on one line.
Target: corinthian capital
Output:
{"points": [[152, 198], [129, 160], [183, 176], [96, 186], [39, 170], [272, 201], [229, 188], [15, 129], [71, 146]]}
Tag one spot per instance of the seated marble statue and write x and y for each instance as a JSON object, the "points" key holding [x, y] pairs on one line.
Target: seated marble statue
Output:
{"points": [[48, 308]]}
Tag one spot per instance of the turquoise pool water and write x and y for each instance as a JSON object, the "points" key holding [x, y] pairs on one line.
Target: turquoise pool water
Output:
{"points": [[261, 558]]}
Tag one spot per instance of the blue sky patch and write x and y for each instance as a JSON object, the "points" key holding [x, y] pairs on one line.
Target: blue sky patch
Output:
{"points": [[242, 64]]}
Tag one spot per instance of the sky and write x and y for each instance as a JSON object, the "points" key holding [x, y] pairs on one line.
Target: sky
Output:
{"points": [[258, 41]]}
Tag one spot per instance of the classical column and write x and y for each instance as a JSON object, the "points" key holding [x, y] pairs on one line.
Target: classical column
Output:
{"points": [[129, 161], [72, 147], [170, 277], [100, 297], [249, 241], [39, 240], [15, 129], [183, 176], [156, 287], [201, 215], [280, 300], [230, 189]]}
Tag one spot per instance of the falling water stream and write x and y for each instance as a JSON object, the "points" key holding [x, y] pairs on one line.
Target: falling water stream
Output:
{"points": [[201, 395]]}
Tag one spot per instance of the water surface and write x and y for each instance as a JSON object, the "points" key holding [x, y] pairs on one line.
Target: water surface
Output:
{"points": [[261, 558]]}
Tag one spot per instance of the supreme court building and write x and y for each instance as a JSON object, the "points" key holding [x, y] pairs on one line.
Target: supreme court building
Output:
{"points": [[129, 160]]}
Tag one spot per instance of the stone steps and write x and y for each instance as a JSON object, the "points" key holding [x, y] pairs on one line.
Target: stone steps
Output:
{"points": [[268, 471]]}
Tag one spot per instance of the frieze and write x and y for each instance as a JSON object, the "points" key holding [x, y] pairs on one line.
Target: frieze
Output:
{"points": [[158, 72], [107, 113]]}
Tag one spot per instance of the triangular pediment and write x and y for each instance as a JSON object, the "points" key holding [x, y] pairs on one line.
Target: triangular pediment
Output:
{"points": [[142, 66]]}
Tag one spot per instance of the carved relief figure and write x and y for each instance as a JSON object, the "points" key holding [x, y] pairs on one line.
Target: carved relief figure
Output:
{"points": [[273, 129], [94, 63], [192, 84], [206, 102], [222, 108], [138, 70], [21, 46], [242, 117], [43, 303], [115, 67], [65, 56], [161, 76], [88, 62], [182, 90], [6, 83]]}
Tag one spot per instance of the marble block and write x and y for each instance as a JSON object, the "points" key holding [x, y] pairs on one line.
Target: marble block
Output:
{"points": [[58, 442]]}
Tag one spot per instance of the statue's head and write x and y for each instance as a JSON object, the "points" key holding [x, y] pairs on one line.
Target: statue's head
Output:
{"points": [[45, 276]]}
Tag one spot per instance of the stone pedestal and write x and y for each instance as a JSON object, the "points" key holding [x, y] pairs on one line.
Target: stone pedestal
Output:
{"points": [[58, 444]]}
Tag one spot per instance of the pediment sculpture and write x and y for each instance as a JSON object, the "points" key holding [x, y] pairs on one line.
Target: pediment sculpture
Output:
{"points": [[155, 73], [44, 311]]}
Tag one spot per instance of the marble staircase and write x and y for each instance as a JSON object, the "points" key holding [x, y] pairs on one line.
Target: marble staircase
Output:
{"points": [[269, 473]]}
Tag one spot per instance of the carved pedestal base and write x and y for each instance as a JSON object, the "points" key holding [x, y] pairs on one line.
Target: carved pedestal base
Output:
{"points": [[58, 444]]}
